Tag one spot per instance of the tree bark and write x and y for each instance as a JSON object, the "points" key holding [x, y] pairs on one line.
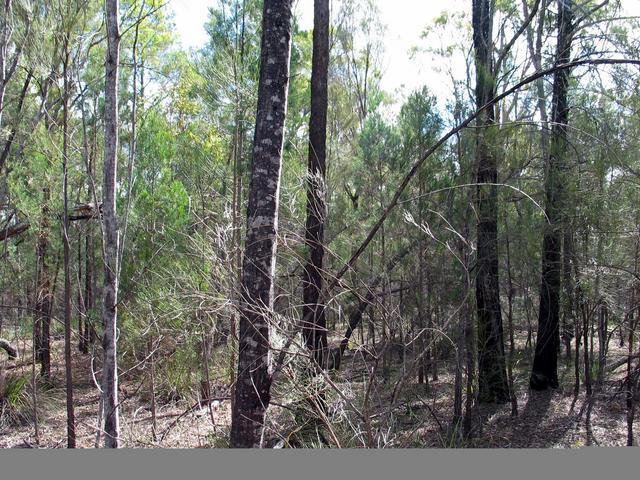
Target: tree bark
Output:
{"points": [[110, 232], [253, 385], [42, 321], [313, 312], [71, 426], [544, 373], [12, 351], [492, 380]]}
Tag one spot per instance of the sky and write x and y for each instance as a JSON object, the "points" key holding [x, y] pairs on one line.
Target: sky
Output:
{"points": [[405, 21], [403, 32]]}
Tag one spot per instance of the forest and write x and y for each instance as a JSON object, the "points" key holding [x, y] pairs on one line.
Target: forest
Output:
{"points": [[257, 244]]}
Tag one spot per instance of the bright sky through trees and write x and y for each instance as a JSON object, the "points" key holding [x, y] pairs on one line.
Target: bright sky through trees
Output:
{"points": [[403, 34], [405, 21]]}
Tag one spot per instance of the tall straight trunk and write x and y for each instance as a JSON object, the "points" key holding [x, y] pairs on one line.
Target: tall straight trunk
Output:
{"points": [[631, 380], [253, 384], [568, 318], [632, 384], [238, 155], [314, 319], [42, 323], [512, 345], [582, 307], [152, 385], [90, 265], [544, 373], [71, 425], [423, 376], [110, 233], [492, 375], [82, 306]]}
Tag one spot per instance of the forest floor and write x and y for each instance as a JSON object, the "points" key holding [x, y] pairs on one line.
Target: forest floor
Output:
{"points": [[552, 419]]}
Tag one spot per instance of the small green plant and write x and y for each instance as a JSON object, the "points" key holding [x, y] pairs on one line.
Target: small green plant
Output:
{"points": [[14, 400]]}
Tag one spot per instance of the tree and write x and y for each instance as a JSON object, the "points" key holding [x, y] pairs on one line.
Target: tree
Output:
{"points": [[492, 377], [71, 427], [253, 385], [110, 232], [313, 313], [544, 373]]}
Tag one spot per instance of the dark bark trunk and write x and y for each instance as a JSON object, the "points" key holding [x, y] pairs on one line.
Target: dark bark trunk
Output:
{"points": [[313, 312], [544, 373], [630, 381], [110, 235], [42, 322], [71, 424], [568, 323], [253, 385], [512, 345], [492, 375], [82, 305]]}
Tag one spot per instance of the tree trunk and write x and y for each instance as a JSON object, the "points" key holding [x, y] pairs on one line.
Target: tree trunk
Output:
{"points": [[568, 323], [253, 385], [492, 379], [544, 373], [82, 304], [42, 323], [71, 426], [314, 320], [110, 232], [512, 345]]}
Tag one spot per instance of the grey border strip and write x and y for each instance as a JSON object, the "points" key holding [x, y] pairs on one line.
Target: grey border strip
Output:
{"points": [[586, 463]]}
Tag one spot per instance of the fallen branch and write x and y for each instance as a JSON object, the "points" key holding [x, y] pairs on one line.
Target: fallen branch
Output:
{"points": [[612, 367], [10, 349], [13, 231], [187, 412]]}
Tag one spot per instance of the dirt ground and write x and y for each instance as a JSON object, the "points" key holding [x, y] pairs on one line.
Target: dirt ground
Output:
{"points": [[553, 419]]}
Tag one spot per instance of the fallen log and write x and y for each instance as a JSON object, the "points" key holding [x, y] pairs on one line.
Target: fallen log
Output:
{"points": [[13, 231], [612, 367], [10, 349], [86, 211]]}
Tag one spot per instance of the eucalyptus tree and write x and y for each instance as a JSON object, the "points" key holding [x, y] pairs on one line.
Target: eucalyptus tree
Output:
{"points": [[313, 313], [492, 377], [253, 385], [110, 403], [544, 373]]}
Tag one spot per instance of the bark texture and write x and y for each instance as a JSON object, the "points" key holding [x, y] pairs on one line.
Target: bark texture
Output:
{"points": [[544, 373], [42, 320], [110, 233], [492, 376], [313, 312], [253, 385], [71, 424]]}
